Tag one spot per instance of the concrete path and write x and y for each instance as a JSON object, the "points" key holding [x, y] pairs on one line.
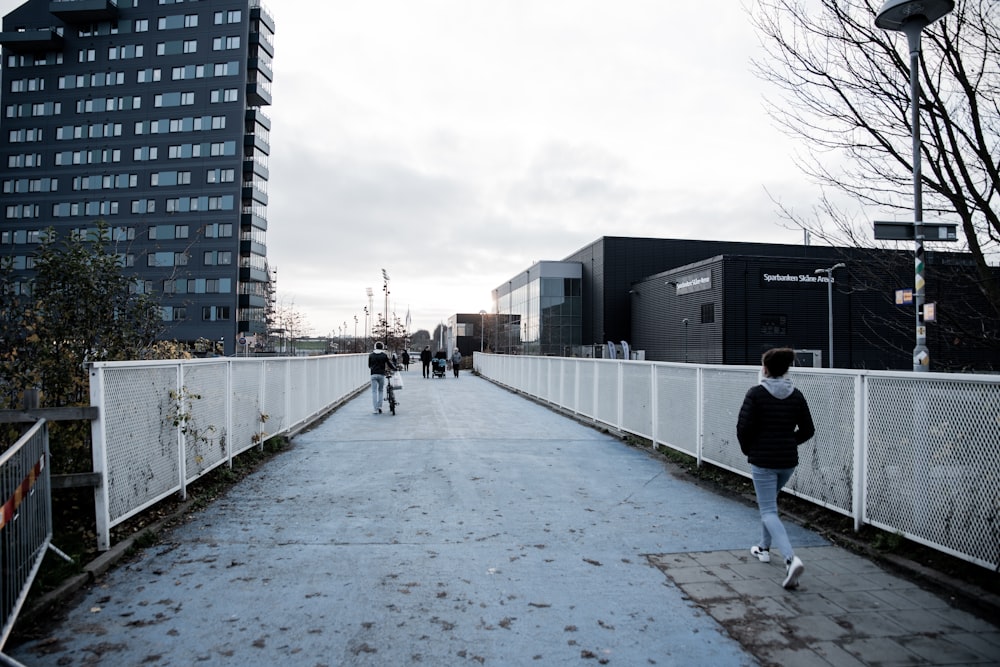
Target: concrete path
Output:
{"points": [[478, 528]]}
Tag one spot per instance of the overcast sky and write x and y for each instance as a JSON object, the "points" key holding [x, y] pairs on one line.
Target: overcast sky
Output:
{"points": [[456, 142]]}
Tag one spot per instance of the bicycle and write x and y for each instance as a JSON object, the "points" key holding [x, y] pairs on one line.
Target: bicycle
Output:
{"points": [[390, 393]]}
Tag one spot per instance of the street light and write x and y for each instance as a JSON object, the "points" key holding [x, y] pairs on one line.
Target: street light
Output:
{"points": [[369, 312], [911, 17], [829, 303], [482, 317], [685, 321], [385, 288]]}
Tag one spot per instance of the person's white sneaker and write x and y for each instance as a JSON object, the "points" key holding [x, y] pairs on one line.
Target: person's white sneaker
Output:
{"points": [[795, 570], [763, 555]]}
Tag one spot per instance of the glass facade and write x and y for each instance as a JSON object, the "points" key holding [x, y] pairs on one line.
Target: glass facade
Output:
{"points": [[541, 311]]}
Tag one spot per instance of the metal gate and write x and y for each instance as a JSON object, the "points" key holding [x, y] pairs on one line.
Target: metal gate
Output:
{"points": [[25, 520]]}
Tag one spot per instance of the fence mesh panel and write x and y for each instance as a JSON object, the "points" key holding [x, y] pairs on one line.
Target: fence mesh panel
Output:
{"points": [[586, 378], [607, 392], [677, 402], [637, 391], [142, 463], [722, 395], [205, 436], [246, 409], [274, 396], [932, 461], [826, 462]]}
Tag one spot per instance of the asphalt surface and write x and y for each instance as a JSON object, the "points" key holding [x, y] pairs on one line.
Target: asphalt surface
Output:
{"points": [[476, 527]]}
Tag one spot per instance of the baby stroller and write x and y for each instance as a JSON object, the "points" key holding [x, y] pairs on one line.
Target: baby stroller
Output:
{"points": [[439, 364]]}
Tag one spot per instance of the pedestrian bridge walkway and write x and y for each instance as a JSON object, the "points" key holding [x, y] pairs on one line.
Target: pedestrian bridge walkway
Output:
{"points": [[476, 527]]}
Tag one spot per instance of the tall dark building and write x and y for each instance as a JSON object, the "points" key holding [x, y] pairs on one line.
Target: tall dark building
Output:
{"points": [[145, 115]]}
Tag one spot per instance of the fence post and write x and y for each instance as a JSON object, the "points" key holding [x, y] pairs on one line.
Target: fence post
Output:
{"points": [[858, 494], [261, 401], [99, 454], [654, 406], [699, 414]]}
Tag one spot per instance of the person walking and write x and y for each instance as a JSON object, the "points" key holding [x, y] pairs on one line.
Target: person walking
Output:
{"points": [[425, 360], [773, 421], [406, 360], [378, 364], [456, 361]]}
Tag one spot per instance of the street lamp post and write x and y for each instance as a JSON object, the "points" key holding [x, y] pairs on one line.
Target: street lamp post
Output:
{"points": [[911, 17], [385, 288], [482, 319], [829, 303], [685, 321], [369, 315]]}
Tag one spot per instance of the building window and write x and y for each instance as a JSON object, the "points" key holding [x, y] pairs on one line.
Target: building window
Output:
{"points": [[172, 314], [225, 43], [774, 325], [218, 258], [215, 313], [232, 16], [221, 176], [168, 232], [218, 230], [707, 313]]}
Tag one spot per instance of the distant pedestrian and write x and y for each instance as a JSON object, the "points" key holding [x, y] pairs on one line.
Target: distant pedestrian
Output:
{"points": [[406, 360], [773, 421], [456, 361], [425, 360], [379, 364]]}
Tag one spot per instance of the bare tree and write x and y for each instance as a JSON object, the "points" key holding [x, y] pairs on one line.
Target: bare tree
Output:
{"points": [[288, 324], [844, 87]]}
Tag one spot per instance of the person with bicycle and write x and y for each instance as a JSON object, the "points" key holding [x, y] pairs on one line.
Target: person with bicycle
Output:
{"points": [[379, 364]]}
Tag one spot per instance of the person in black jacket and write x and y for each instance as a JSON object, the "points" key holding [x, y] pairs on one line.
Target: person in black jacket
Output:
{"points": [[425, 360], [774, 420], [378, 364]]}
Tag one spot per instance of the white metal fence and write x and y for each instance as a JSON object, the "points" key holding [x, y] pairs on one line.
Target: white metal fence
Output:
{"points": [[916, 454], [163, 424], [25, 520]]}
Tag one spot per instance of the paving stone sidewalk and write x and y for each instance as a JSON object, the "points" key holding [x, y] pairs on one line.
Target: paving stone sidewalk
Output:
{"points": [[846, 612]]}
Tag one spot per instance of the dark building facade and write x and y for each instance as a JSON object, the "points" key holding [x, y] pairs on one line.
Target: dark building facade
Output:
{"points": [[465, 332], [612, 263], [145, 116], [730, 309], [741, 298]]}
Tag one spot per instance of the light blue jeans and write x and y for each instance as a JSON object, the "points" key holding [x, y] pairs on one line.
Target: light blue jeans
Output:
{"points": [[378, 387], [767, 482]]}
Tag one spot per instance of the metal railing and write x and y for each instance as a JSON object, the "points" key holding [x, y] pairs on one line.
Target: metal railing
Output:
{"points": [[913, 454], [25, 520], [163, 424]]}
